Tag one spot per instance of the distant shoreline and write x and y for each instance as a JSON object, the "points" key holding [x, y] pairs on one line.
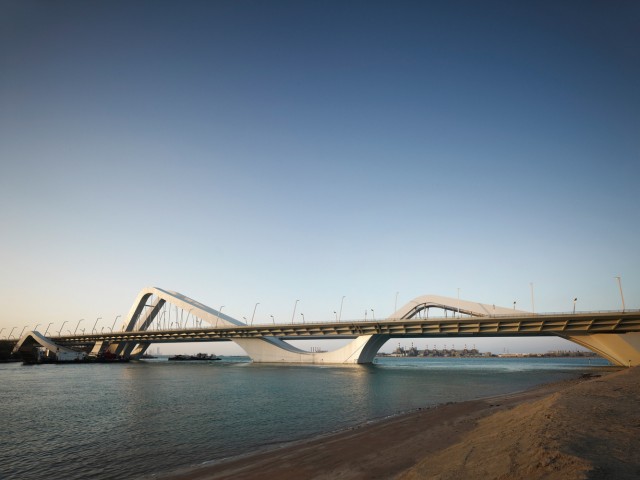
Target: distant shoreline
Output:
{"points": [[403, 352], [400, 445], [578, 354]]}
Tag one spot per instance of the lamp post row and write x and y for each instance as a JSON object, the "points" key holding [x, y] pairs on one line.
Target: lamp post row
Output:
{"points": [[293, 315], [35, 329]]}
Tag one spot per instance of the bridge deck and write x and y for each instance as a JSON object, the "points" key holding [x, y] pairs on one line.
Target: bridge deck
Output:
{"points": [[520, 325]]}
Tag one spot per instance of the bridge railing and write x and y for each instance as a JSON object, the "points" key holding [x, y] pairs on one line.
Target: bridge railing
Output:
{"points": [[469, 317], [374, 320]]}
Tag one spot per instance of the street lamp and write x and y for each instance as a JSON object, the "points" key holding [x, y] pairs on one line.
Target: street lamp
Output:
{"points": [[22, 331], [159, 322], [302, 317], [45, 332], [11, 332], [273, 319], [574, 304], [254, 312], [294, 311], [114, 322], [533, 309], [621, 295], [336, 314], [36, 327], [373, 315], [340, 314], [60, 331], [218, 315], [93, 330], [365, 314], [74, 332], [514, 305]]}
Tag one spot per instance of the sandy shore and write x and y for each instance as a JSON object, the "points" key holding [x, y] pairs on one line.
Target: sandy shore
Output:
{"points": [[586, 428]]}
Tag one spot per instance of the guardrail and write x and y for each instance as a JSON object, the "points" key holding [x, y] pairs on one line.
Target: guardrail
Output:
{"points": [[283, 329], [549, 324]]}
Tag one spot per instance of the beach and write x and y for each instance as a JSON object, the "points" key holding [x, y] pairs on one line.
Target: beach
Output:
{"points": [[583, 428]]}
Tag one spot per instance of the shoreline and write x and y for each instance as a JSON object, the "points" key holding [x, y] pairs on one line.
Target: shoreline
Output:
{"points": [[403, 445]]}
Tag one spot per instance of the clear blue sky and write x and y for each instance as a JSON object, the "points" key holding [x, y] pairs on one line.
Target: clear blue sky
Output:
{"points": [[250, 151]]}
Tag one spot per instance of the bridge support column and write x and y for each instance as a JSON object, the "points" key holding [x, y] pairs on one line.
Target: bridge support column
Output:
{"points": [[274, 350], [133, 349], [140, 349], [621, 349], [97, 347]]}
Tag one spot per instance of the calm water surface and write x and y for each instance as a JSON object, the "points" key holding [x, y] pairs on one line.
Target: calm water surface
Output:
{"points": [[143, 418]]}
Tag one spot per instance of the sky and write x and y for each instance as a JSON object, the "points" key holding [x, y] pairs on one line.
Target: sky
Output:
{"points": [[244, 152]]}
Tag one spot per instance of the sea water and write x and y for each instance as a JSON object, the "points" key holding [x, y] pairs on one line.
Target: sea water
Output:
{"points": [[138, 419]]}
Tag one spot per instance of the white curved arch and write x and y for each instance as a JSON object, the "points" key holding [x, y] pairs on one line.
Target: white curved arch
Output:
{"points": [[261, 350], [35, 339], [197, 309], [38, 338], [621, 349], [200, 310], [275, 350], [362, 349], [466, 307]]}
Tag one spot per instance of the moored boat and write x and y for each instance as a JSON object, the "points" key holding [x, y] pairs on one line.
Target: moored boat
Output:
{"points": [[198, 356]]}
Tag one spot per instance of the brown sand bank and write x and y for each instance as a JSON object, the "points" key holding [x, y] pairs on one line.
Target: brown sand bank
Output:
{"points": [[588, 428]]}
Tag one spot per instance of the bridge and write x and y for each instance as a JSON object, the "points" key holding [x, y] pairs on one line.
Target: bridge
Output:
{"points": [[614, 335]]}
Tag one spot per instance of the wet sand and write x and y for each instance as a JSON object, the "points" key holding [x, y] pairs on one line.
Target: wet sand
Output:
{"points": [[584, 428]]}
